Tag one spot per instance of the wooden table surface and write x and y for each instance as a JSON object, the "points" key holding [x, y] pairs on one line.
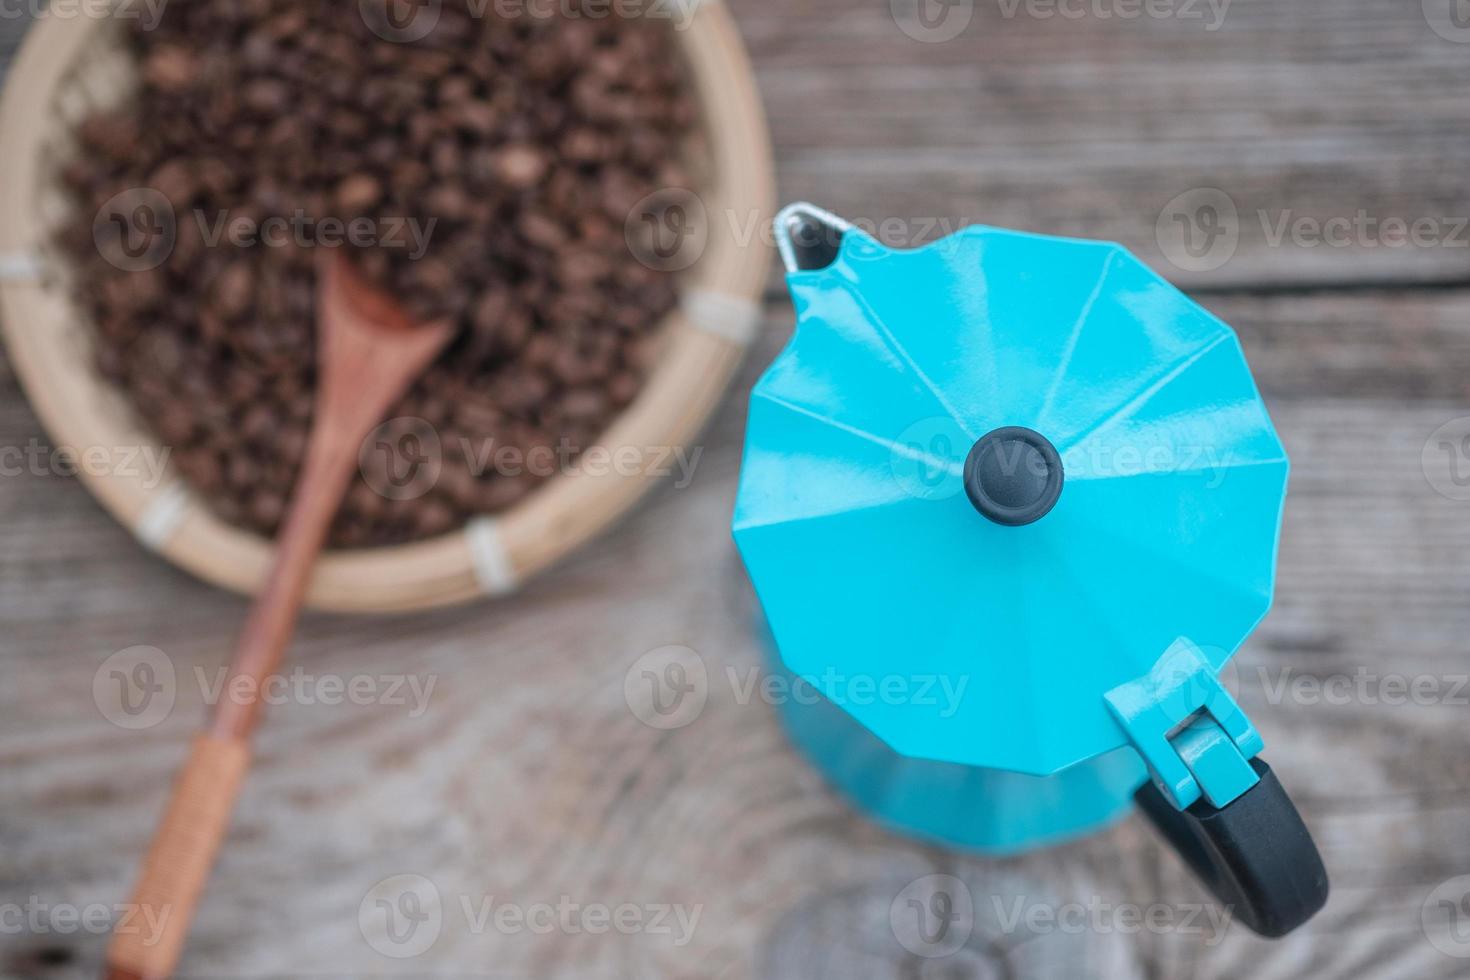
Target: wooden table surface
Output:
{"points": [[527, 779]]}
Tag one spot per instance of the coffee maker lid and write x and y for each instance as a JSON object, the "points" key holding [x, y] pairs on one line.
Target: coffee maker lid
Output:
{"points": [[993, 478]]}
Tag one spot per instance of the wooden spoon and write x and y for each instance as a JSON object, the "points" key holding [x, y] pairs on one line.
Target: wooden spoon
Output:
{"points": [[369, 352]]}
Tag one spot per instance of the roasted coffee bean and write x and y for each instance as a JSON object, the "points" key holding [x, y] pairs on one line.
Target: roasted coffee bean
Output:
{"points": [[623, 387], [502, 491], [520, 166], [234, 289], [267, 96], [495, 162], [541, 229], [492, 308], [357, 193], [112, 134], [268, 508], [432, 517], [171, 69]]}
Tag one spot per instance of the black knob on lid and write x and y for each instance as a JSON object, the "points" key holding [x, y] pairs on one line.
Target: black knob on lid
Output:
{"points": [[1013, 475]]}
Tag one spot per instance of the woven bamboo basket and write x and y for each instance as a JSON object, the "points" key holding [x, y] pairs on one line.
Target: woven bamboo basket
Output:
{"points": [[71, 66]]}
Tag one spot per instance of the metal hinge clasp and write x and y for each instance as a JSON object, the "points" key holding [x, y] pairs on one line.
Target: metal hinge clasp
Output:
{"points": [[1188, 728]]}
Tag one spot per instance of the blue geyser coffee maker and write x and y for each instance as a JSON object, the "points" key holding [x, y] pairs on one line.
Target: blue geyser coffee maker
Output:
{"points": [[1009, 503]]}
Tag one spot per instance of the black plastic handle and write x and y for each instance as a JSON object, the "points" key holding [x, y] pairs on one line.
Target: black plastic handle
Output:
{"points": [[1255, 854]]}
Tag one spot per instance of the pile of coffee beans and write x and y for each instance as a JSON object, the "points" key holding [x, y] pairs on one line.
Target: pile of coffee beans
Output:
{"points": [[480, 165]]}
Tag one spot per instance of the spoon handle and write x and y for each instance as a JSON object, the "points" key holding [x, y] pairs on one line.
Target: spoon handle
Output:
{"points": [[369, 353], [198, 815], [150, 933]]}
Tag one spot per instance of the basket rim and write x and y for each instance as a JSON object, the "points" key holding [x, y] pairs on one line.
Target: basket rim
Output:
{"points": [[490, 555]]}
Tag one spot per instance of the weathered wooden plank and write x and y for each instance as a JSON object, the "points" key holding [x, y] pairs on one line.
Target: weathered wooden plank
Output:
{"points": [[1092, 125], [528, 778]]}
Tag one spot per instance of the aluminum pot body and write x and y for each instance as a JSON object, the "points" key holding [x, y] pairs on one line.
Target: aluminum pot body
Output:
{"points": [[992, 811]]}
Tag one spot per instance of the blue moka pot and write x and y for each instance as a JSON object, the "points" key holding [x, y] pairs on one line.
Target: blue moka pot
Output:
{"points": [[1010, 503]]}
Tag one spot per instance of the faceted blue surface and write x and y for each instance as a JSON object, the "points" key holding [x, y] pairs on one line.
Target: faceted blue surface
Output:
{"points": [[873, 567]]}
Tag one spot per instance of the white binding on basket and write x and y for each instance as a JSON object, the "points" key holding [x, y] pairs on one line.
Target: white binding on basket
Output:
{"points": [[493, 568], [162, 517], [20, 267], [733, 318]]}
